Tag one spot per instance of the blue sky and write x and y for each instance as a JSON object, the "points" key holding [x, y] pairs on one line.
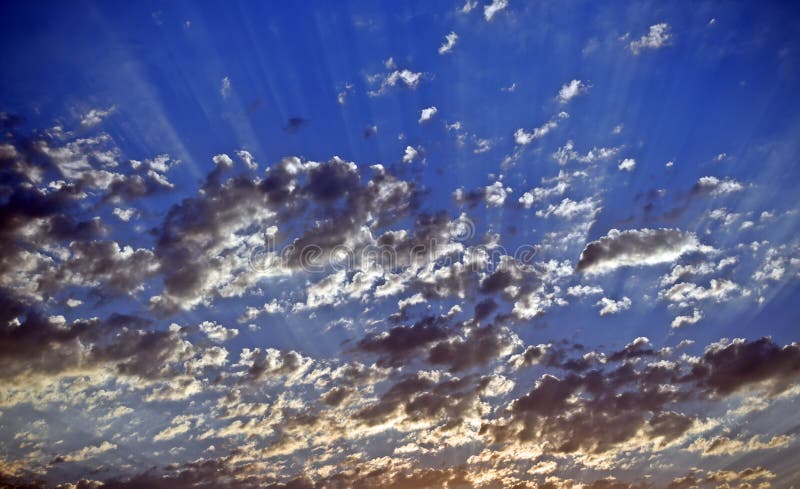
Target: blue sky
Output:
{"points": [[155, 155]]}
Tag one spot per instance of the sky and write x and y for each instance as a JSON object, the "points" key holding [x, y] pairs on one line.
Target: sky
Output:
{"points": [[453, 244]]}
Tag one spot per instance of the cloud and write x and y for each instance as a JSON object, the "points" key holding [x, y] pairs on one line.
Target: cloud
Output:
{"points": [[724, 445], [657, 37], [427, 114], [717, 187], [95, 116], [571, 90], [449, 43], [570, 209], [681, 321], [567, 153], [404, 77], [628, 164], [611, 306], [468, 6], [489, 11], [225, 87], [410, 154], [523, 138], [637, 247], [728, 367]]}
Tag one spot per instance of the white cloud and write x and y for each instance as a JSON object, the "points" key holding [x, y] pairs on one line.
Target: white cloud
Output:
{"points": [[489, 11], [468, 6], [610, 306], [681, 321], [567, 153], [524, 138], [628, 164], [405, 77], [538, 194], [658, 36], [584, 290], [496, 194], [217, 332], [247, 159], [570, 209], [718, 186], [96, 116], [685, 293], [410, 155], [223, 160], [449, 43], [124, 215], [482, 146], [637, 247], [571, 90], [225, 89], [427, 114]]}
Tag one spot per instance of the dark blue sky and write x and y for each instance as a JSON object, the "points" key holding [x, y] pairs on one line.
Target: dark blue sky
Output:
{"points": [[647, 153]]}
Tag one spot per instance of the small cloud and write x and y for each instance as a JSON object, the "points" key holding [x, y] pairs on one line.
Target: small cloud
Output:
{"points": [[571, 90], [657, 37], [449, 43], [467, 8], [712, 21], [408, 78], [628, 164], [225, 88], [344, 93], [617, 129], [427, 114], [610, 306], [482, 146], [410, 155], [669, 164], [509, 88], [96, 116], [489, 11]]}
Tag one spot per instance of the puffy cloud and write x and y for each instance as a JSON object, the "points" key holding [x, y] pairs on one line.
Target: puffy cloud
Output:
{"points": [[496, 194], [427, 114], [523, 138], [637, 247], [571, 90], [449, 43], [658, 36], [489, 11], [539, 194], [567, 153], [628, 164], [96, 116], [611, 306], [681, 321], [716, 186], [570, 209], [685, 293], [410, 154], [405, 77]]}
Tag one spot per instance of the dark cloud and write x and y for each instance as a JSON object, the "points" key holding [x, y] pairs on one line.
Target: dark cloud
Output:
{"points": [[730, 367], [399, 344], [294, 124]]}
